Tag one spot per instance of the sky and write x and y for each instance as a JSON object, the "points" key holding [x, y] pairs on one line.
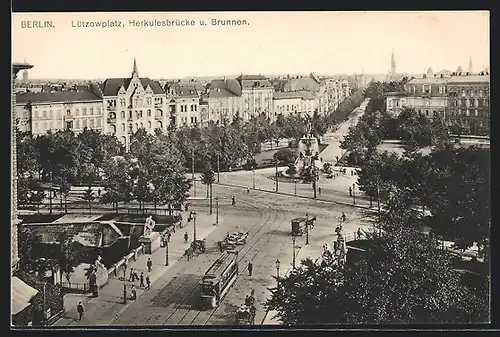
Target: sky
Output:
{"points": [[269, 43]]}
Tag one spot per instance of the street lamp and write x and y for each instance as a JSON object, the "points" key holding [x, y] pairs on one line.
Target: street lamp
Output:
{"points": [[293, 251], [278, 271], [295, 183], [166, 252], [124, 293], [193, 215], [307, 228], [253, 177], [216, 210], [192, 169], [276, 162], [353, 194]]}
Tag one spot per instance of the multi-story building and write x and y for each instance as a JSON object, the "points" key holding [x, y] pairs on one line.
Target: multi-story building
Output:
{"points": [[294, 102], [427, 95], [183, 103], [257, 96], [225, 100], [133, 103], [469, 103], [395, 102], [39, 112]]}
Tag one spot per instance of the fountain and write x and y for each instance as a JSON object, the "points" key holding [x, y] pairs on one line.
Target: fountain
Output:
{"points": [[308, 153]]}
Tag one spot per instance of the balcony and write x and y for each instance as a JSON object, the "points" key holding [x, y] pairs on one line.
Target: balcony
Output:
{"points": [[111, 108]]}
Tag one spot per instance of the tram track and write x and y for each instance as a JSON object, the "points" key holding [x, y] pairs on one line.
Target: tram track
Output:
{"points": [[196, 312]]}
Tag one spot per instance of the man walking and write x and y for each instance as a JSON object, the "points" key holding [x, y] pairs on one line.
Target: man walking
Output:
{"points": [[80, 310], [142, 280], [186, 237], [148, 283], [132, 275], [150, 265], [319, 190], [250, 268]]}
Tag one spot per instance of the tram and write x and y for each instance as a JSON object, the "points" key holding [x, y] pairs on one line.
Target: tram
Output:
{"points": [[219, 278]]}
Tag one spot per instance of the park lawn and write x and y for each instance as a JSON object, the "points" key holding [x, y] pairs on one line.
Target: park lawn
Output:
{"points": [[264, 159]]}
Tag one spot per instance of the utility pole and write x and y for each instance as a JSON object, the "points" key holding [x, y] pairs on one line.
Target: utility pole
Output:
{"points": [[210, 198], [276, 163], [216, 210], [293, 251], [378, 206], [192, 167], [50, 196], [315, 179], [166, 252], [124, 293], [307, 228], [295, 185], [218, 168], [253, 177], [353, 194], [194, 225]]}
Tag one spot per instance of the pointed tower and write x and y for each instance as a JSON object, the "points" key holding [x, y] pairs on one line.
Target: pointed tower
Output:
{"points": [[134, 69], [393, 64], [470, 65]]}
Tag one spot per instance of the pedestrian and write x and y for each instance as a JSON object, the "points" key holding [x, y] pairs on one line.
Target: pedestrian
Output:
{"points": [[337, 158], [150, 265], [250, 268], [133, 291], [80, 310], [321, 159], [99, 192], [148, 283], [350, 191], [168, 236], [352, 172], [233, 201], [132, 275], [248, 190], [186, 237], [142, 280], [359, 233], [319, 190]]}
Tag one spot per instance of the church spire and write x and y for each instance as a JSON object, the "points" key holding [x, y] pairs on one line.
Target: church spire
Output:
{"points": [[134, 69], [393, 64], [470, 65]]}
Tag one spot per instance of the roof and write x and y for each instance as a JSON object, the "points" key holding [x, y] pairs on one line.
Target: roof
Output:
{"points": [[396, 93], [470, 79], [294, 94], [111, 86], [56, 96], [253, 81], [224, 88], [21, 295], [429, 80]]}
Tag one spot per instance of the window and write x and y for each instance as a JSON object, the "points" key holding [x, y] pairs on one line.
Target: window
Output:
{"points": [[467, 112], [130, 127], [149, 113], [195, 108], [98, 111], [191, 109], [136, 126], [463, 93], [91, 123], [50, 113], [149, 124], [122, 102], [130, 114], [427, 113], [77, 124], [141, 126], [91, 111], [84, 111], [137, 114], [123, 114], [44, 113], [84, 123], [148, 100], [160, 125], [480, 93], [98, 122], [123, 126], [192, 120]]}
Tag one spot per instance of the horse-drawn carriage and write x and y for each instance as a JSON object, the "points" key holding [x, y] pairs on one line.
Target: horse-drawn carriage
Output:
{"points": [[233, 239], [197, 247], [245, 314], [299, 225]]}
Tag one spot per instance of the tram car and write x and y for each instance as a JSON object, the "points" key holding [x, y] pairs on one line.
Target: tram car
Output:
{"points": [[218, 279]]}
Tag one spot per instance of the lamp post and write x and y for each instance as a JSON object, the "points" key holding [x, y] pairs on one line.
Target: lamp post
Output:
{"points": [[253, 177], [218, 167], [353, 194], [276, 166], [293, 251], [278, 271], [166, 252], [307, 228], [295, 186], [43, 306], [50, 196], [216, 210], [124, 293], [192, 172], [193, 215]]}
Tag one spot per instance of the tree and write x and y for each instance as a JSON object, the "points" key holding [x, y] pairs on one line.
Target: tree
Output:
{"points": [[65, 254], [88, 196], [208, 178], [30, 248], [117, 182], [64, 190], [285, 156], [400, 278], [36, 197]]}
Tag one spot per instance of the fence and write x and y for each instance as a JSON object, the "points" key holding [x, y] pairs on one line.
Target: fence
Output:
{"points": [[80, 287]]}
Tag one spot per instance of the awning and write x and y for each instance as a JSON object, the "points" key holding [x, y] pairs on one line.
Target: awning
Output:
{"points": [[21, 295]]}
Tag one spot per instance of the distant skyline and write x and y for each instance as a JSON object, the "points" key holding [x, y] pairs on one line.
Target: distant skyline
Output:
{"points": [[271, 43]]}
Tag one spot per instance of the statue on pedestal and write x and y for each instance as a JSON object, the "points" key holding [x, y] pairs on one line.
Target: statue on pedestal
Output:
{"points": [[148, 226], [98, 265]]}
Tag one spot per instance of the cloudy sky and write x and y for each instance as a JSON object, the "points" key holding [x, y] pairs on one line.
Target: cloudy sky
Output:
{"points": [[270, 43]]}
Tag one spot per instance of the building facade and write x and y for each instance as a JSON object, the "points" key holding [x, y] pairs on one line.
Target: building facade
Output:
{"points": [[183, 104], [257, 96], [131, 104], [395, 102], [40, 112], [428, 95], [225, 100], [469, 103], [294, 102]]}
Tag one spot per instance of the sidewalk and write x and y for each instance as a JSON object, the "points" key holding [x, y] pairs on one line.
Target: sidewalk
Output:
{"points": [[109, 305]]}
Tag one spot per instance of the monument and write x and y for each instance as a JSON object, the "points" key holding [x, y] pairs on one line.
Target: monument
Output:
{"points": [[151, 240], [308, 147]]}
